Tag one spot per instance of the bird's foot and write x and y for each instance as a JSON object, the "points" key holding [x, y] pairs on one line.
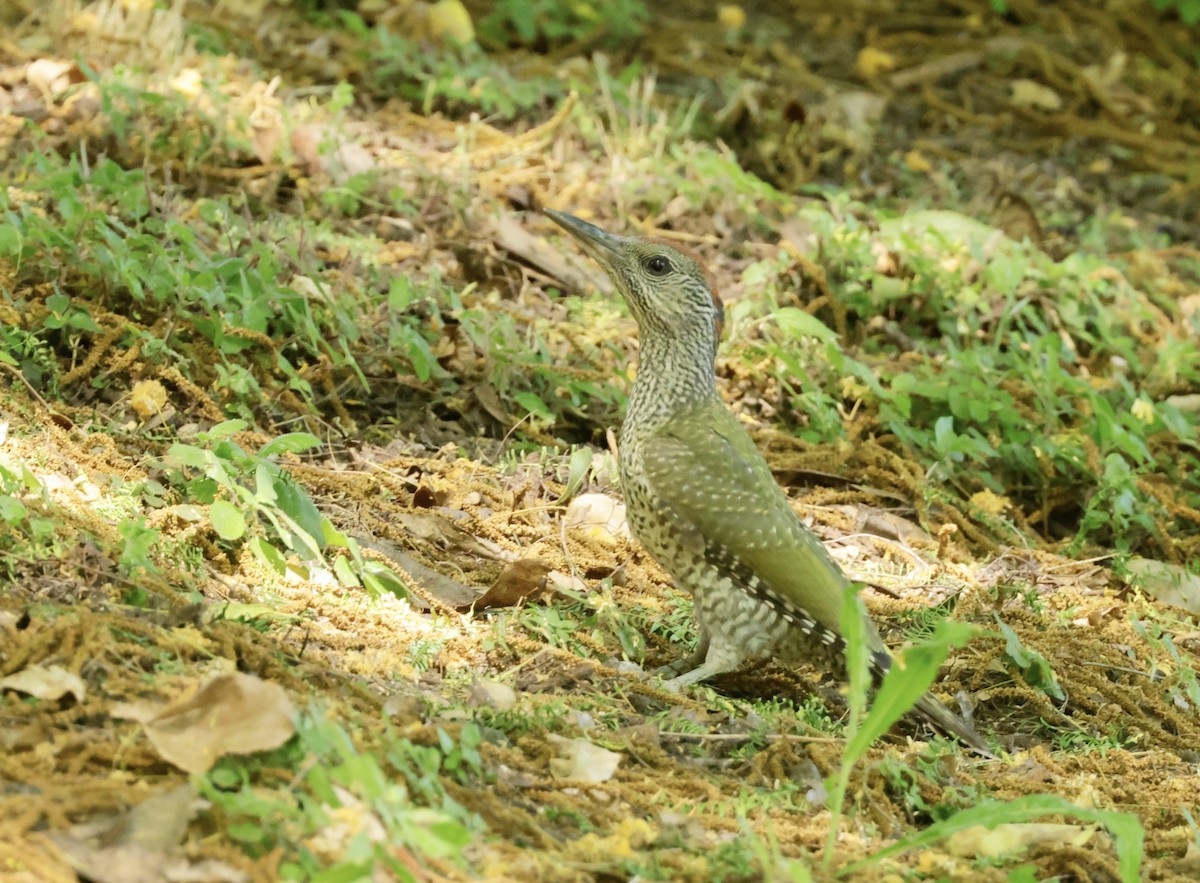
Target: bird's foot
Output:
{"points": [[710, 669]]}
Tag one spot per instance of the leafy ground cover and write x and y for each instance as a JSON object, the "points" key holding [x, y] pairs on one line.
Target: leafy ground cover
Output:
{"points": [[312, 562]]}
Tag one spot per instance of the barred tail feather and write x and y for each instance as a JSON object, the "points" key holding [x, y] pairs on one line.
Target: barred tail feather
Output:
{"points": [[948, 722]]}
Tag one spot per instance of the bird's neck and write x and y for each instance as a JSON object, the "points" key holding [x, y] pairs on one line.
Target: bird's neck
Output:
{"points": [[671, 378]]}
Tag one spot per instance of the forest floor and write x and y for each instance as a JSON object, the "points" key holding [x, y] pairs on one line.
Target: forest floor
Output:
{"points": [[312, 562]]}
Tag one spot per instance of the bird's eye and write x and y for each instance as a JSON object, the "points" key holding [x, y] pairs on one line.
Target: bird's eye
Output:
{"points": [[658, 265]]}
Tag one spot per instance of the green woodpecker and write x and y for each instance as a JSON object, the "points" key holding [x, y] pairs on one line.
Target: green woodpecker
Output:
{"points": [[700, 496]]}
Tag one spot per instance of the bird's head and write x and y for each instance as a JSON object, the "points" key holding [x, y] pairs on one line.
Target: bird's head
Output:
{"points": [[669, 290]]}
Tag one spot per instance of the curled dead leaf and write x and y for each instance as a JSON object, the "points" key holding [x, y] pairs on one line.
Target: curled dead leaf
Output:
{"points": [[521, 579]]}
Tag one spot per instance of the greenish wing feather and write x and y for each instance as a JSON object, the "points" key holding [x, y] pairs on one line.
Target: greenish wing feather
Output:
{"points": [[712, 481]]}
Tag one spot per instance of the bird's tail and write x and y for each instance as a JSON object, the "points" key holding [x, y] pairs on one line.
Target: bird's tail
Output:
{"points": [[948, 722]]}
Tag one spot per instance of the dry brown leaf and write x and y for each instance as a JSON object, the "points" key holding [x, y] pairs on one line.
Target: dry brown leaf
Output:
{"points": [[136, 864], [493, 694], [1032, 94], [51, 76], [522, 579], [599, 516], [872, 62], [438, 530], [142, 844], [160, 822], [1008, 840], [48, 683], [580, 760], [891, 526], [508, 234], [1168, 583], [231, 714]]}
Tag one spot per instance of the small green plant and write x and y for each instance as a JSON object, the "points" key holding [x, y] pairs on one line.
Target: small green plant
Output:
{"points": [[270, 495], [904, 684], [26, 531], [139, 541], [250, 498], [28, 352], [1035, 668], [455, 80], [1187, 10], [423, 765], [550, 22], [898, 693], [1007, 388], [677, 626], [556, 625], [423, 653], [1182, 681], [345, 800]]}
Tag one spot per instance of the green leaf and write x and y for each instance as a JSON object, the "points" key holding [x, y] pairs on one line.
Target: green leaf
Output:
{"points": [[12, 510], [577, 470], [226, 429], [1034, 666], [83, 322], [383, 579], [345, 572], [332, 536], [858, 664], [246, 832], [346, 872], [10, 240], [291, 443], [264, 483], [295, 502], [911, 674], [534, 405], [795, 322], [292, 534], [202, 490], [268, 555], [858, 671], [187, 455], [227, 520], [524, 19]]}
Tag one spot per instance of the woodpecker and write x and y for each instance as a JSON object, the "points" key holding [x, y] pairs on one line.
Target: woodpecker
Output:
{"points": [[701, 498]]}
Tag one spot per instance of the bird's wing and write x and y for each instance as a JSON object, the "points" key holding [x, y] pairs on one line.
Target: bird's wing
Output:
{"points": [[719, 492]]}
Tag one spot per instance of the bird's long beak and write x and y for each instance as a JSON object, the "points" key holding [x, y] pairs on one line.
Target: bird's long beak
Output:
{"points": [[601, 245]]}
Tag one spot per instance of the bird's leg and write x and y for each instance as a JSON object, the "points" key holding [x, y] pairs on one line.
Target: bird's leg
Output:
{"points": [[694, 659], [720, 657]]}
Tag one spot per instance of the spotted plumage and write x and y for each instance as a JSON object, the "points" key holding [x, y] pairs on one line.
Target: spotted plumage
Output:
{"points": [[699, 495]]}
